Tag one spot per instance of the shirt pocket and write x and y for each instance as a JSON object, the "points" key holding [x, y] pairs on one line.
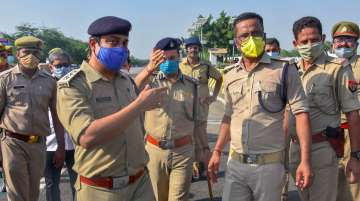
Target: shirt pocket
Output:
{"points": [[18, 96], [202, 76], [42, 95], [270, 95], [104, 105], [237, 95], [322, 97]]}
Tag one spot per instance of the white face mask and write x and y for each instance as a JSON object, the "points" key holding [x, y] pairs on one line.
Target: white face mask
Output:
{"points": [[273, 54], [344, 52]]}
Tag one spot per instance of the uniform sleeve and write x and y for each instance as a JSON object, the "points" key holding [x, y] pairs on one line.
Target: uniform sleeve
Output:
{"points": [[214, 73], [74, 111], [347, 90], [295, 92], [228, 101]]}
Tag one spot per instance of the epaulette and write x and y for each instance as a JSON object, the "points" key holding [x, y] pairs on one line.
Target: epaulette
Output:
{"points": [[65, 81], [340, 61], [228, 68], [4, 73], [290, 60], [46, 72]]}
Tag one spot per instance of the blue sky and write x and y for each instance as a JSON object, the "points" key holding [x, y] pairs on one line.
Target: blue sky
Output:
{"points": [[153, 20]]}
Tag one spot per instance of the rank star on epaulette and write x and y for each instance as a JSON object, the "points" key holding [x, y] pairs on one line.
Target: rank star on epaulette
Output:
{"points": [[352, 85]]}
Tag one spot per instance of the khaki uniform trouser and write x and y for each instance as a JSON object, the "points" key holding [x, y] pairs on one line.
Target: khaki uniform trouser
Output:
{"points": [[325, 170], [201, 139], [141, 190], [251, 182], [170, 172], [346, 191], [23, 165]]}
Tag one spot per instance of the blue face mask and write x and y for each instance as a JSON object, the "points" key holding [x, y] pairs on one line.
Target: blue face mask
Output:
{"points": [[169, 67], [10, 60], [273, 54], [112, 58], [61, 72], [344, 52]]}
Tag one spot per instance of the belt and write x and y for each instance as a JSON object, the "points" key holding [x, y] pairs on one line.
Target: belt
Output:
{"points": [[26, 138], [344, 125], [112, 182], [316, 138], [259, 159], [169, 144]]}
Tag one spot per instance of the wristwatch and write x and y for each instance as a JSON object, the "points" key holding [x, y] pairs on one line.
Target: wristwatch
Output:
{"points": [[355, 154]]}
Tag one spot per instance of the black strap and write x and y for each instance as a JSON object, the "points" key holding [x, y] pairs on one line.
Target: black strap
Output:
{"points": [[195, 101]]}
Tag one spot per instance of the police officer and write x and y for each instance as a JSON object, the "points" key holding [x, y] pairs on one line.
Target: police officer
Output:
{"points": [[10, 57], [59, 65], [98, 106], [328, 84], [272, 47], [26, 95], [201, 71], [170, 128], [345, 42], [256, 92], [3, 58]]}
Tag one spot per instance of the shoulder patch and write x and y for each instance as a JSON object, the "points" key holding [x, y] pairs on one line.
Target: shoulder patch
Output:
{"points": [[352, 86], [65, 81]]}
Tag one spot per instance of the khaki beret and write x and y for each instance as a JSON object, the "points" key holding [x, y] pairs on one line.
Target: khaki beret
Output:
{"points": [[2, 47], [55, 50], [28, 42], [8, 48], [345, 28]]}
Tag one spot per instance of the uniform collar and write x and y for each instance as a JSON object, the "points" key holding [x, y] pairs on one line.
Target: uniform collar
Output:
{"points": [[320, 61], [92, 75], [38, 72], [185, 61], [266, 59], [162, 76]]}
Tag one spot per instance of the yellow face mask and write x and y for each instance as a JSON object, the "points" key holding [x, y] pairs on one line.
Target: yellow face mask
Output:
{"points": [[253, 47]]}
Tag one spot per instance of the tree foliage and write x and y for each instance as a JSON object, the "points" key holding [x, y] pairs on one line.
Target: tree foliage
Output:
{"points": [[53, 38]]}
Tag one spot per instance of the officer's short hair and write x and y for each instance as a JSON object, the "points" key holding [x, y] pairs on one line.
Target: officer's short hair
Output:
{"points": [[306, 22], [246, 16], [270, 41], [59, 55]]}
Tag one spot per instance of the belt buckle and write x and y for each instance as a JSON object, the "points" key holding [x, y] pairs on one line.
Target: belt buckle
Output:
{"points": [[120, 182], [166, 144], [33, 139], [250, 158]]}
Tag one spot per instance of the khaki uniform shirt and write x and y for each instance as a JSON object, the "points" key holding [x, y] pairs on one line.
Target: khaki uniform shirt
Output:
{"points": [[254, 130], [201, 73], [326, 85], [175, 118], [25, 101], [84, 95], [355, 67]]}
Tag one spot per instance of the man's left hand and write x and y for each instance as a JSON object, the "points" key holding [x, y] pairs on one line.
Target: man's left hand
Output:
{"points": [[59, 158], [353, 170], [303, 176]]}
